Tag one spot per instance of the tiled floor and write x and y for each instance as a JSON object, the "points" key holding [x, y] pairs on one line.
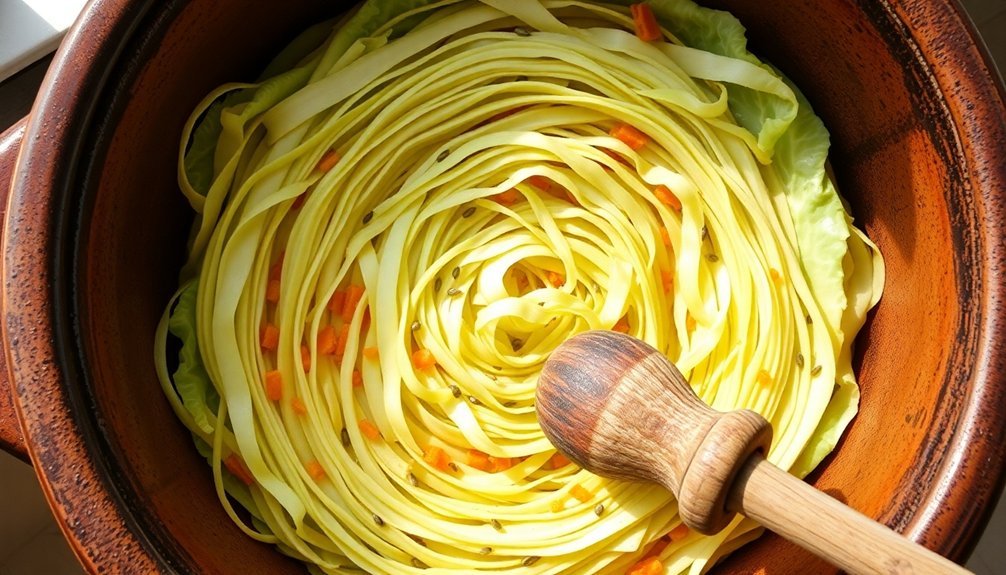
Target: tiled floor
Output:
{"points": [[31, 544]]}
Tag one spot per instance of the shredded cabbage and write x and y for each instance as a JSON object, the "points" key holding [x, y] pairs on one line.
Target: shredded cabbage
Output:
{"points": [[451, 164]]}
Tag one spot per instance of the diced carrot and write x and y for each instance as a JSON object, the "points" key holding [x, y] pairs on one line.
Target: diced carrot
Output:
{"points": [[665, 236], [556, 191], [369, 430], [305, 358], [315, 470], [622, 326], [764, 379], [353, 296], [558, 461], [437, 458], [541, 182], [431, 454], [647, 27], [665, 196], [667, 279], [478, 460], [337, 302], [679, 532], [342, 341], [507, 198], [371, 352], [272, 291], [328, 161], [297, 404], [237, 468], [274, 385], [629, 136], [276, 269], [357, 378], [500, 463], [648, 566], [690, 323], [556, 279], [423, 359], [557, 505], [269, 337], [658, 547], [326, 340], [776, 276], [522, 282], [581, 493]]}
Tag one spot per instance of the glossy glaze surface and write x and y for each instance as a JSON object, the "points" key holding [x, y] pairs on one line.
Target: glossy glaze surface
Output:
{"points": [[11, 438]]}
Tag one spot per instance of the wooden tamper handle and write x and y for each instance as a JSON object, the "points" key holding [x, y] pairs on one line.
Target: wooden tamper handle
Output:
{"points": [[617, 407]]}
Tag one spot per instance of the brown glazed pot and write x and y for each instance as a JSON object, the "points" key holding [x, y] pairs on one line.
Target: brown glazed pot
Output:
{"points": [[95, 232]]}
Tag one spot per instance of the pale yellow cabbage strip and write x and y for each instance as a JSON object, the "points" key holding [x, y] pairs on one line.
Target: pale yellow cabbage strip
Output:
{"points": [[462, 182]]}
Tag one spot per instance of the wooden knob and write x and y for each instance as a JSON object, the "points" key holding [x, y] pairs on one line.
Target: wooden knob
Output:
{"points": [[632, 415], [620, 409]]}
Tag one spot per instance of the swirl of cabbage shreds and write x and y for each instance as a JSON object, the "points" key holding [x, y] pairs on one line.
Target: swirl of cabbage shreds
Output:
{"points": [[416, 205]]}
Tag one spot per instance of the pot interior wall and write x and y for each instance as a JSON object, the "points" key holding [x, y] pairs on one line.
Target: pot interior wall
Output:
{"points": [[890, 160], [132, 249]]}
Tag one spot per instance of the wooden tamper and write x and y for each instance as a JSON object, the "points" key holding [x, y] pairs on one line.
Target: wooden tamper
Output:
{"points": [[618, 408]]}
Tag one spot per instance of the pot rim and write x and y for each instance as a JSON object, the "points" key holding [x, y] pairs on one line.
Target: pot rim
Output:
{"points": [[60, 434], [963, 496], [40, 338]]}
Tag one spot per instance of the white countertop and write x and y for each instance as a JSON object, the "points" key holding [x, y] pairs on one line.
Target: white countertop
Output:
{"points": [[30, 29]]}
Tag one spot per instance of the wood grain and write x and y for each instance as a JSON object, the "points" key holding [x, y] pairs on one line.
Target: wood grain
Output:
{"points": [[822, 525], [637, 418], [630, 416]]}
